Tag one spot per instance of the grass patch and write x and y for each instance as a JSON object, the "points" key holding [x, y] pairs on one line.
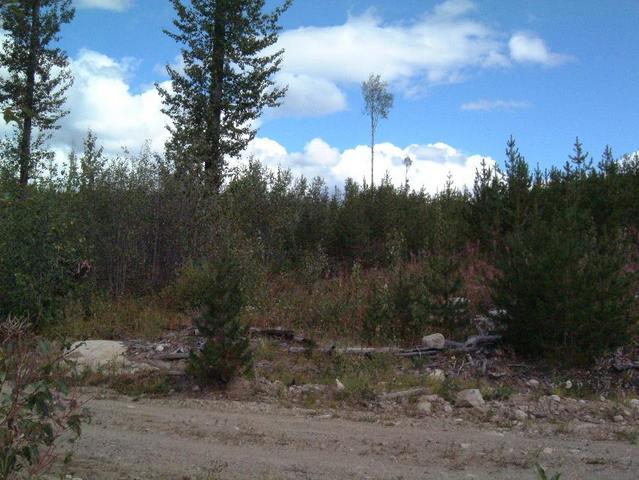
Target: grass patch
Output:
{"points": [[150, 383], [115, 319]]}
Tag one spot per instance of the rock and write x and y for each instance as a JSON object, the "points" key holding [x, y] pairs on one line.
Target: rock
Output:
{"points": [[435, 341], [618, 418], [520, 415], [634, 403], [339, 385], [568, 384], [99, 354], [448, 408], [548, 451], [437, 374], [195, 389], [424, 406], [432, 398], [470, 398], [555, 398], [533, 383]]}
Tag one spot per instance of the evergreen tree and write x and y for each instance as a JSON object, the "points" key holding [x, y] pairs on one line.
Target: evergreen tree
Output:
{"points": [[226, 81], [33, 93], [518, 184], [226, 350]]}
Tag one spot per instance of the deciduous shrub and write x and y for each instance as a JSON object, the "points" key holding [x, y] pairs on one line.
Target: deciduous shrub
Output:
{"points": [[35, 407]]}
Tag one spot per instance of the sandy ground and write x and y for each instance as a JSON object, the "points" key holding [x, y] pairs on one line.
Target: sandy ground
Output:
{"points": [[214, 439]]}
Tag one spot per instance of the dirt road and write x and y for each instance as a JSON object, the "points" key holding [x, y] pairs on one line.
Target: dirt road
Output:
{"points": [[205, 439]]}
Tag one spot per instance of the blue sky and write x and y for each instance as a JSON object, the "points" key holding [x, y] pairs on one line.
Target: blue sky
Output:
{"points": [[465, 75]]}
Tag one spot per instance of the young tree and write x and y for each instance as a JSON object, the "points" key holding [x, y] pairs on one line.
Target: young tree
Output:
{"points": [[226, 81], [33, 93], [377, 104]]}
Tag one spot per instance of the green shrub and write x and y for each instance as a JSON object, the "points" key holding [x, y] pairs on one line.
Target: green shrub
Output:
{"points": [[35, 408], [226, 351], [563, 293]]}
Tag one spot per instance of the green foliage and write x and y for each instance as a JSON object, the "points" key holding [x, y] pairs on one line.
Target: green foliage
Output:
{"points": [[226, 81], [35, 407], [563, 293], [542, 475], [226, 351], [40, 251], [33, 93]]}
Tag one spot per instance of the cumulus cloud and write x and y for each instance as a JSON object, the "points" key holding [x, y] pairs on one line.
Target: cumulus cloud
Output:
{"points": [[101, 100], [309, 96], [115, 5], [492, 105], [431, 166], [446, 45], [526, 47]]}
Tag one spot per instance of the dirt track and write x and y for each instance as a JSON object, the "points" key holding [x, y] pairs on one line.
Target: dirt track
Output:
{"points": [[204, 439]]}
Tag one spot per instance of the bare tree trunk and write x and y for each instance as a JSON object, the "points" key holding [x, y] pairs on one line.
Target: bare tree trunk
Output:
{"points": [[28, 107], [372, 148]]}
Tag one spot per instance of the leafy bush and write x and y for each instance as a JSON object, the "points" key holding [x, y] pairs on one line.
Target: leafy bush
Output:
{"points": [[39, 258], [563, 293], [35, 408], [226, 351]]}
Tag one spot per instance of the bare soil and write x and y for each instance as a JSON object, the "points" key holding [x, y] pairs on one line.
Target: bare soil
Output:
{"points": [[203, 438]]}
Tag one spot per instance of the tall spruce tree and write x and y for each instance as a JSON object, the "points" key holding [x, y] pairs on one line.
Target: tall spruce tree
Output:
{"points": [[34, 92], [226, 82]]}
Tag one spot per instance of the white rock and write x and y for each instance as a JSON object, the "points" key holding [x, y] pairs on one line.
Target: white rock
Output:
{"points": [[634, 403], [548, 451], [448, 408], [99, 353], [618, 418], [339, 385], [533, 383], [424, 406], [437, 374], [436, 340], [432, 398], [568, 384], [555, 398], [470, 398], [520, 415]]}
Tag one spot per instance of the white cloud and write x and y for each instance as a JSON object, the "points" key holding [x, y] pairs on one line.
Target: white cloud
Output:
{"points": [[492, 105], [115, 5], [309, 96], [431, 166], [526, 47], [444, 46], [101, 100]]}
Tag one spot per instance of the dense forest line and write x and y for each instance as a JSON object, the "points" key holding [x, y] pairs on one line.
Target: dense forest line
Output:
{"points": [[555, 250]]}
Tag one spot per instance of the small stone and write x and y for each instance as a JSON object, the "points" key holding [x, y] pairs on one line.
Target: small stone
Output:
{"points": [[437, 374], [195, 388], [520, 415], [568, 384], [602, 398], [159, 348], [448, 408], [464, 446], [548, 451], [618, 418], [634, 403], [425, 407], [339, 385], [533, 383], [555, 398], [470, 398], [435, 341]]}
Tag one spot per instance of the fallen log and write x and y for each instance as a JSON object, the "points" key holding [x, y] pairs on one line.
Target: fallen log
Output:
{"points": [[625, 367], [411, 392], [273, 332]]}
